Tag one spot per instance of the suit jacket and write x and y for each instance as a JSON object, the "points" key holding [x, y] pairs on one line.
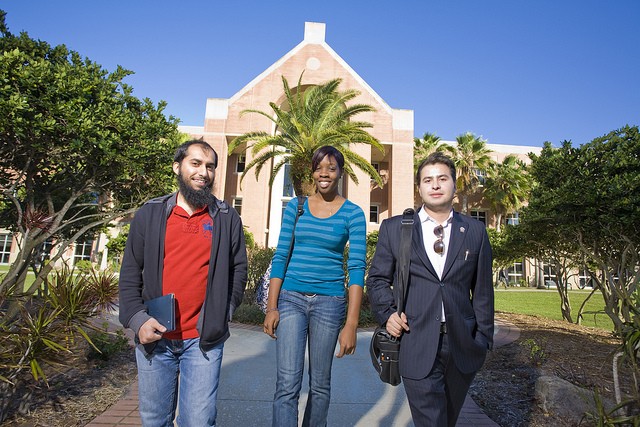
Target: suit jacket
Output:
{"points": [[465, 288]]}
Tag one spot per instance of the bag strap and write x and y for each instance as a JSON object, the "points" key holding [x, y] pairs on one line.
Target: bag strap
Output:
{"points": [[404, 257], [300, 211]]}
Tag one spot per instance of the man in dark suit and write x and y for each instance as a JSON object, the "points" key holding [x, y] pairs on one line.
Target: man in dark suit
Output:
{"points": [[447, 326]]}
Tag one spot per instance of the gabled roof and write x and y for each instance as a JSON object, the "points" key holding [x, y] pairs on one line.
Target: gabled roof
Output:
{"points": [[314, 33]]}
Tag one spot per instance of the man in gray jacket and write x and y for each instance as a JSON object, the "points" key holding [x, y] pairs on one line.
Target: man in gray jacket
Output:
{"points": [[191, 245]]}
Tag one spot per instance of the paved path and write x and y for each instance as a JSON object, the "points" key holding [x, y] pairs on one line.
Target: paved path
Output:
{"points": [[358, 398]]}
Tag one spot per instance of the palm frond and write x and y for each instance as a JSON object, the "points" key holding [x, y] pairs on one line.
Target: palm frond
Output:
{"points": [[316, 116]]}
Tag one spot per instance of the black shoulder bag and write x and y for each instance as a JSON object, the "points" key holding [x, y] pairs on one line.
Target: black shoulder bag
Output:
{"points": [[385, 348]]}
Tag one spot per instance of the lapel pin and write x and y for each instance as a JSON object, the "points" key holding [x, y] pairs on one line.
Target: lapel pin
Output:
{"points": [[462, 229]]}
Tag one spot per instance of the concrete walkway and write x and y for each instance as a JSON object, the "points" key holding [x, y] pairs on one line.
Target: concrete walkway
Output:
{"points": [[358, 397]]}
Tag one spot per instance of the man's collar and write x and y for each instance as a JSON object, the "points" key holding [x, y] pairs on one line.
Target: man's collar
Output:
{"points": [[424, 216]]}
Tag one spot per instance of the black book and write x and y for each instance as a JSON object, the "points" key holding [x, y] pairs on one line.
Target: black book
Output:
{"points": [[163, 309]]}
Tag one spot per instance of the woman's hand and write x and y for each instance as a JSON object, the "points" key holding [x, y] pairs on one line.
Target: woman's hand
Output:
{"points": [[348, 335], [347, 340], [271, 321]]}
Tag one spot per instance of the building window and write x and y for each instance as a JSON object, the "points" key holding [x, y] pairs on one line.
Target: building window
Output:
{"points": [[513, 219], [480, 216], [584, 279], [83, 251], [515, 272], [549, 272], [5, 247], [376, 166], [481, 175], [287, 188], [43, 252], [237, 204], [240, 163], [374, 214]]}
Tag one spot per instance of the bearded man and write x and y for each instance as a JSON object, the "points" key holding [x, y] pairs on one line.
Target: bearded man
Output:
{"points": [[191, 245]]}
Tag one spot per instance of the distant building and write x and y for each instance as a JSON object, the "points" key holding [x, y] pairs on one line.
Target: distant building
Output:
{"points": [[261, 206]]}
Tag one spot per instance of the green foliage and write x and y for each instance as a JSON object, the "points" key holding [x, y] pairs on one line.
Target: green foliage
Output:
{"points": [[249, 314], [502, 256], [258, 259], [366, 319], [115, 245], [83, 266], [372, 242], [249, 240], [107, 344], [38, 333], [585, 207], [537, 355], [507, 186], [422, 147], [310, 118], [470, 153], [604, 417], [77, 148], [103, 285]]}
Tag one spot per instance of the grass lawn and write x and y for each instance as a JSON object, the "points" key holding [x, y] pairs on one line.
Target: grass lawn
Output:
{"points": [[4, 268], [546, 303]]}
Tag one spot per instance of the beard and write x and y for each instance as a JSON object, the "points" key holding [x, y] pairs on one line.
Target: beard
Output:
{"points": [[195, 198]]}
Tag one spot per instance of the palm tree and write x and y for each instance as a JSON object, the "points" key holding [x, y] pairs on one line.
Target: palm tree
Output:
{"points": [[308, 120], [429, 143], [507, 187], [470, 155]]}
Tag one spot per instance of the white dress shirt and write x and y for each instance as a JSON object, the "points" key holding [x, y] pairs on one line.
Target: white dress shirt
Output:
{"points": [[429, 238]]}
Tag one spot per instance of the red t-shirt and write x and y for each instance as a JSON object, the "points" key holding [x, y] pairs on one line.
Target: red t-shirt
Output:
{"points": [[187, 250]]}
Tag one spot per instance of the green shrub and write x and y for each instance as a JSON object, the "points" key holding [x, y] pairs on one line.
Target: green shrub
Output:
{"points": [[248, 239], [537, 354], [115, 245], [249, 314], [107, 344], [83, 266]]}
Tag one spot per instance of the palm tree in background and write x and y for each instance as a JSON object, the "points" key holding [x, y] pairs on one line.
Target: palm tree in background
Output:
{"points": [[507, 187], [422, 147], [470, 155], [309, 119]]}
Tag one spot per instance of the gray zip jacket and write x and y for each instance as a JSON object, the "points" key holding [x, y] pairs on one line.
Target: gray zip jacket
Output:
{"points": [[142, 264]]}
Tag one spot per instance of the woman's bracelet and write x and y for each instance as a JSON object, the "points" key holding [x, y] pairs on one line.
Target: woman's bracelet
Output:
{"points": [[271, 309]]}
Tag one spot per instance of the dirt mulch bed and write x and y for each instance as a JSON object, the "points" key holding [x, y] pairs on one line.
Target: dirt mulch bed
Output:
{"points": [[77, 395], [504, 388]]}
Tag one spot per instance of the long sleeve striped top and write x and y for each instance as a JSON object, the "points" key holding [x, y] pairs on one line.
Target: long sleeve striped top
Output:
{"points": [[316, 262]]}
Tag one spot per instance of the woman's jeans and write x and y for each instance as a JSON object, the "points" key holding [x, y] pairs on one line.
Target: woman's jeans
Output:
{"points": [[158, 383], [316, 318]]}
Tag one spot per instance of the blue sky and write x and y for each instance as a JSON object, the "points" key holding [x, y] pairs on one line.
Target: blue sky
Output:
{"points": [[514, 72]]}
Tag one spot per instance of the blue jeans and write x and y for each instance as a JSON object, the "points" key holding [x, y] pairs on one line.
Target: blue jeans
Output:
{"points": [[158, 383], [318, 319]]}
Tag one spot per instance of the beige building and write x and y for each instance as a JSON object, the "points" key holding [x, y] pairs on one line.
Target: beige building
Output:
{"points": [[260, 205]]}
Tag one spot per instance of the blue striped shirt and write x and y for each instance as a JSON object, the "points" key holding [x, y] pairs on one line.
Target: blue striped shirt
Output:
{"points": [[316, 262]]}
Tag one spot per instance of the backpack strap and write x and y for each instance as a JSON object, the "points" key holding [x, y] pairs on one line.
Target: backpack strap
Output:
{"points": [[300, 211]]}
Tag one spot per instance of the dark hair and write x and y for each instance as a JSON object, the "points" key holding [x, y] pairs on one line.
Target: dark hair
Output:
{"points": [[181, 152], [435, 158], [325, 151]]}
